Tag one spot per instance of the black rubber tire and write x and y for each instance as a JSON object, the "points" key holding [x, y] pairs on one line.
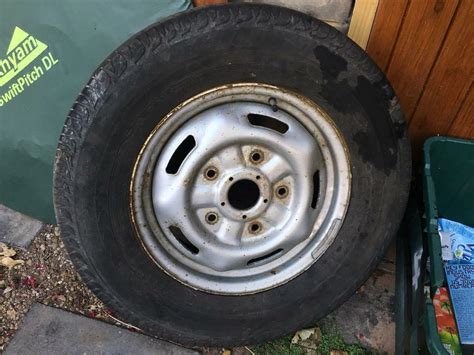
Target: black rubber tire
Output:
{"points": [[172, 61]]}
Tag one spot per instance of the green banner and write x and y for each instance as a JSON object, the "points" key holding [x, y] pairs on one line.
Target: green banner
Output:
{"points": [[48, 50]]}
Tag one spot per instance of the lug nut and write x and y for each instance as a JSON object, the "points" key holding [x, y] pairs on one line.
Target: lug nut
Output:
{"points": [[255, 227], [256, 156], [281, 191], [211, 173], [212, 218]]}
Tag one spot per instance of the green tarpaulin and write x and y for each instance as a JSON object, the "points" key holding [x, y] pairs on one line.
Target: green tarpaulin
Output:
{"points": [[48, 50]]}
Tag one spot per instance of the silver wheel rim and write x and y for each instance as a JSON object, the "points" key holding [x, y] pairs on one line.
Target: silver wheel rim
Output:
{"points": [[240, 189]]}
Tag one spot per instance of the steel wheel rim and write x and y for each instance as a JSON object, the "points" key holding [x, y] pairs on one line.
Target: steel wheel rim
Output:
{"points": [[207, 237]]}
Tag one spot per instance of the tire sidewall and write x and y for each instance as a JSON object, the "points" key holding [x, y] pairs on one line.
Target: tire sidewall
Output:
{"points": [[163, 66]]}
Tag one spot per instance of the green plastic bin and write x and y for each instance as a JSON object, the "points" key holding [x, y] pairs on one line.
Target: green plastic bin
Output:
{"points": [[448, 192]]}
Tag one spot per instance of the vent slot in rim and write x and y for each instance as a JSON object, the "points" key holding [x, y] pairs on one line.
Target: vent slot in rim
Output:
{"points": [[265, 257], [316, 187], [180, 154], [256, 119], [181, 238]]}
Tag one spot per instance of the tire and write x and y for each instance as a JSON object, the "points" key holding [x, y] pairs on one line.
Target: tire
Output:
{"points": [[162, 67]]}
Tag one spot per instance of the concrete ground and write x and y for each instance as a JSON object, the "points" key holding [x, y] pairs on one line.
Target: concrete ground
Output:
{"points": [[47, 330], [366, 318], [17, 229]]}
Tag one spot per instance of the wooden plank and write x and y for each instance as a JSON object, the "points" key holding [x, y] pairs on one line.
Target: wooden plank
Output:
{"points": [[450, 79], [362, 20], [388, 19], [417, 48], [463, 125]]}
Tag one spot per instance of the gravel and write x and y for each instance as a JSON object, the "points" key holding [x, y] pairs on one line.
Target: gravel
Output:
{"points": [[47, 276]]}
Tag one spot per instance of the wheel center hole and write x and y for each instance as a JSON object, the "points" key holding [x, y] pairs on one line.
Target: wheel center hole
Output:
{"points": [[243, 194]]}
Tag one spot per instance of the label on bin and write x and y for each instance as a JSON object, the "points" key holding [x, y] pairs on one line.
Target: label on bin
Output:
{"points": [[460, 279], [457, 245], [457, 241], [447, 329]]}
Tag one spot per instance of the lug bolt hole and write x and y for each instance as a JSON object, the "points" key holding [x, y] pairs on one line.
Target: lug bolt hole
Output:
{"points": [[265, 201], [211, 173], [282, 191], [231, 178], [222, 203], [256, 156], [211, 218], [255, 228], [258, 177], [244, 216]]}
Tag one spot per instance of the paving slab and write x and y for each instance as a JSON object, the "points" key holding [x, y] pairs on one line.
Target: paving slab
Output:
{"points": [[368, 317], [48, 330], [17, 229]]}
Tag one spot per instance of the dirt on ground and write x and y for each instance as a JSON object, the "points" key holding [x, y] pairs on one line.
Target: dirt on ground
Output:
{"points": [[46, 276]]}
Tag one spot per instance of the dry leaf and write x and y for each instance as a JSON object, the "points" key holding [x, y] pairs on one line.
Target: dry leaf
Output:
{"points": [[9, 262], [302, 335], [7, 289], [307, 338], [6, 251]]}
